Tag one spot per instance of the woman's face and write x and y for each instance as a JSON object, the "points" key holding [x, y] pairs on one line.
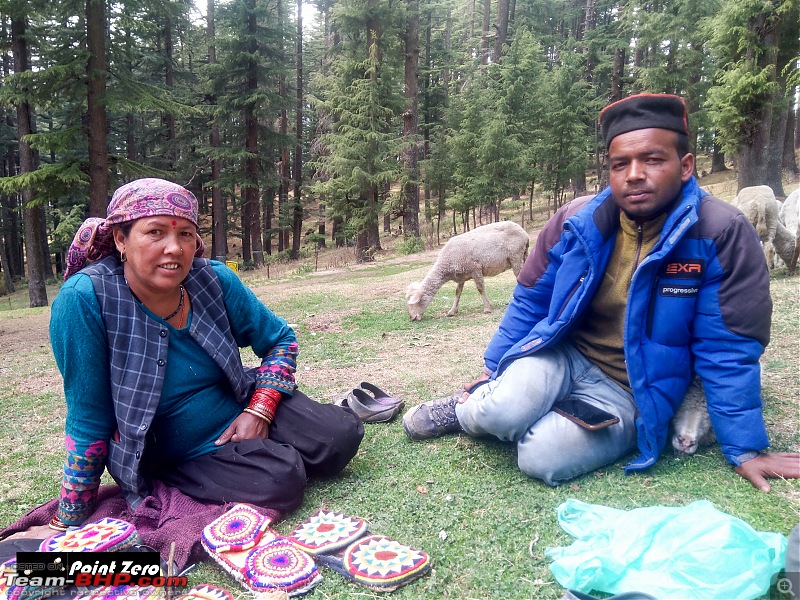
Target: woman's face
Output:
{"points": [[159, 252]]}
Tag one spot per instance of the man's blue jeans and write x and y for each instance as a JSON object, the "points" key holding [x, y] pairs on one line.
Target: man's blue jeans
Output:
{"points": [[515, 407]]}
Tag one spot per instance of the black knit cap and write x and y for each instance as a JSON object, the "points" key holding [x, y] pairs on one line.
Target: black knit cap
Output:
{"points": [[643, 111]]}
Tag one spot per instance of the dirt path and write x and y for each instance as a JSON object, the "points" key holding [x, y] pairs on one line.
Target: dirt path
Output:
{"points": [[22, 334]]}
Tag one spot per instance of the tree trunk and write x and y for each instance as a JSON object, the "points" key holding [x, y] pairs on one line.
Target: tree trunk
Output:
{"points": [[321, 223], [789, 158], [6, 231], [410, 158], [718, 160], [796, 129], [32, 216], [368, 238], [427, 117], [11, 246], [169, 81], [219, 238], [487, 14], [297, 220], [589, 23], [96, 115], [12, 237], [284, 171], [130, 119], [788, 50], [502, 28], [774, 154], [753, 159], [251, 196], [617, 75]]}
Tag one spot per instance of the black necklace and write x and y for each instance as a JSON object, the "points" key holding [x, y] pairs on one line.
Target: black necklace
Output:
{"points": [[177, 310], [180, 305]]}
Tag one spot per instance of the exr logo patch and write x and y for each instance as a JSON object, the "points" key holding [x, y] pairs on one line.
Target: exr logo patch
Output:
{"points": [[685, 268]]}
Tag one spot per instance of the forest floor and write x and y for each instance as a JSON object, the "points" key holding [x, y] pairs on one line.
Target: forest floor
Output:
{"points": [[462, 500]]}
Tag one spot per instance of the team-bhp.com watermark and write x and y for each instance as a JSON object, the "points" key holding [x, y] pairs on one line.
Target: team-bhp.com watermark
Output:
{"points": [[58, 570]]}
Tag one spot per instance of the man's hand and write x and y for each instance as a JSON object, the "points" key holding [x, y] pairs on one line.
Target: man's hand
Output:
{"points": [[244, 427], [471, 385], [785, 465]]}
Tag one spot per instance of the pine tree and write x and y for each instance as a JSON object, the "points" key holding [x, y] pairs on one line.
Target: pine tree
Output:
{"points": [[745, 36], [361, 95], [245, 84], [33, 214]]}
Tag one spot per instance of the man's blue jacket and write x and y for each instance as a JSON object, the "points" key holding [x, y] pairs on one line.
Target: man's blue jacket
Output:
{"points": [[699, 302]]}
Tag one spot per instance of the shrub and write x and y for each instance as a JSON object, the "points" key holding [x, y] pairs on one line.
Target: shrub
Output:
{"points": [[410, 245]]}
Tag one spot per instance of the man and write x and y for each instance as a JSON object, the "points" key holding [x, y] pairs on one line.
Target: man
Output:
{"points": [[625, 296]]}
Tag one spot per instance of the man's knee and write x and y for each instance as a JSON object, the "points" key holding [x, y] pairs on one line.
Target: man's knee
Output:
{"points": [[541, 467]]}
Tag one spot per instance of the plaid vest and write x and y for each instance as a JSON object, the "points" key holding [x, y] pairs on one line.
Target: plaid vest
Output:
{"points": [[137, 349]]}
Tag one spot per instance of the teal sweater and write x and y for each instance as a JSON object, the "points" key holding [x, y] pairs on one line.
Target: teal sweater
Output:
{"points": [[197, 402]]}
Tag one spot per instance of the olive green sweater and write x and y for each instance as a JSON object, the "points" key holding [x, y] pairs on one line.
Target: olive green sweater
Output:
{"points": [[600, 333]]}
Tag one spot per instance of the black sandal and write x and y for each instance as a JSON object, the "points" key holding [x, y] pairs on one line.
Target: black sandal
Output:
{"points": [[380, 396], [367, 408]]}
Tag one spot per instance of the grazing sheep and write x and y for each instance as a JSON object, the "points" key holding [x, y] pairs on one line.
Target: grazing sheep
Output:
{"points": [[759, 205], [789, 215], [691, 425], [485, 251]]}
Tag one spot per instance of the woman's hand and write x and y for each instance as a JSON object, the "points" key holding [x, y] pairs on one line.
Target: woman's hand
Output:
{"points": [[244, 427]]}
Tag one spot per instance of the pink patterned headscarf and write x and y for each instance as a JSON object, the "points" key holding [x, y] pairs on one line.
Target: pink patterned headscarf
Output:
{"points": [[140, 198]]}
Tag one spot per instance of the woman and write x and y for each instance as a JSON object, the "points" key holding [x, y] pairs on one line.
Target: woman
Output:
{"points": [[147, 340]]}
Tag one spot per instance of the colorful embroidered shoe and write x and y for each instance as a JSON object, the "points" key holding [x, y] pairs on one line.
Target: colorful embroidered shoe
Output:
{"points": [[204, 591], [9, 592], [243, 544], [433, 418], [344, 545], [105, 535], [124, 592]]}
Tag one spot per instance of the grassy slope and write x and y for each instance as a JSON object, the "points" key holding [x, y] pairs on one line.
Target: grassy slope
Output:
{"points": [[461, 500]]}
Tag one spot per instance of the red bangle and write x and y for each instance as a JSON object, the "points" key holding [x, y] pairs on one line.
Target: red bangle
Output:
{"points": [[264, 403], [56, 524]]}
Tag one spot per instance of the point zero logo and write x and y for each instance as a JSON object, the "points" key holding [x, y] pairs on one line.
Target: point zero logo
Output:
{"points": [[60, 569]]}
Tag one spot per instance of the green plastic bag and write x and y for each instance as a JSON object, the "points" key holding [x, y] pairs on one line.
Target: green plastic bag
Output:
{"points": [[687, 553]]}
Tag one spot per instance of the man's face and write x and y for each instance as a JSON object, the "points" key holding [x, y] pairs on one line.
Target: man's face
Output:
{"points": [[645, 172]]}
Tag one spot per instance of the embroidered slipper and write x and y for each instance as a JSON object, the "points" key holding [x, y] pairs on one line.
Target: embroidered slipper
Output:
{"points": [[125, 592], [8, 568], [381, 396], [367, 408], [345, 545], [105, 535], [243, 544], [205, 591]]}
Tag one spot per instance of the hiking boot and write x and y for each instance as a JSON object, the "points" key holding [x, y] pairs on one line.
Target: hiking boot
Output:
{"points": [[433, 418]]}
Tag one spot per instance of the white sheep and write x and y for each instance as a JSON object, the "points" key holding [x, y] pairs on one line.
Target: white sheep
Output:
{"points": [[759, 205], [789, 215], [485, 251], [691, 425]]}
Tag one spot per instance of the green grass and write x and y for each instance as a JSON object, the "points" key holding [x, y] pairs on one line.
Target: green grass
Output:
{"points": [[461, 500]]}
